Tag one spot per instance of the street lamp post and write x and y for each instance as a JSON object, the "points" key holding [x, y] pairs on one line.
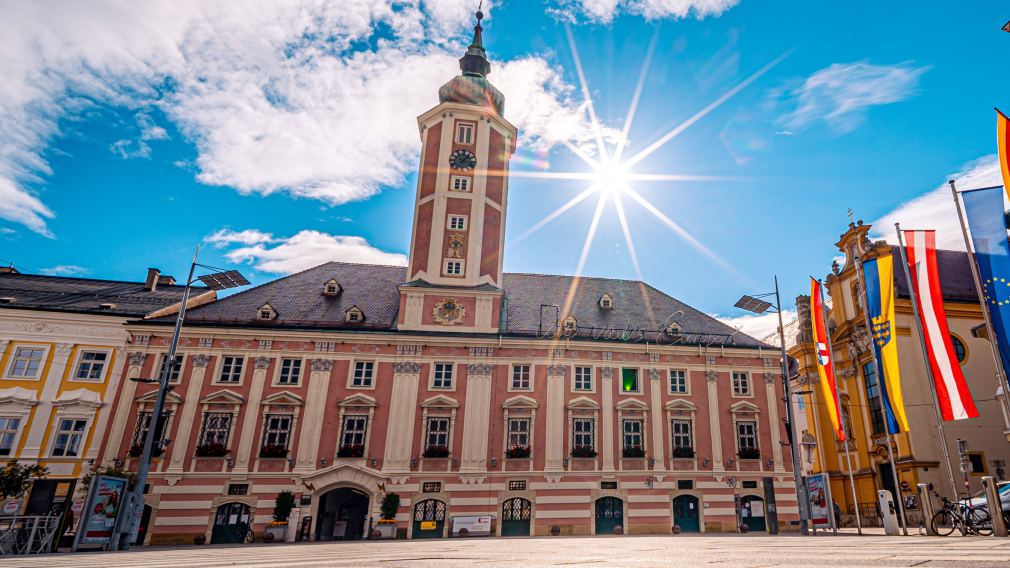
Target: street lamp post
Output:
{"points": [[218, 280], [755, 304]]}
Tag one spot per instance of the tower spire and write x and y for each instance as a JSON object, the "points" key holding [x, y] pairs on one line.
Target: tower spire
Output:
{"points": [[474, 63]]}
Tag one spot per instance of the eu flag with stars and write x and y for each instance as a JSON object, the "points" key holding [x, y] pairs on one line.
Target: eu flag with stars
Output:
{"points": [[987, 222]]}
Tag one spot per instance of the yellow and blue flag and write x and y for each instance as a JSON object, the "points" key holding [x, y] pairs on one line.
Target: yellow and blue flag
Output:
{"points": [[878, 276]]}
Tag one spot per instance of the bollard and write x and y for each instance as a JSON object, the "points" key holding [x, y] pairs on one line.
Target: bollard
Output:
{"points": [[926, 506], [995, 507]]}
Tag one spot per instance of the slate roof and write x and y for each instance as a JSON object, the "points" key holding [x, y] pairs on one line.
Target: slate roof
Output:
{"points": [[85, 295], [640, 311], [957, 284]]}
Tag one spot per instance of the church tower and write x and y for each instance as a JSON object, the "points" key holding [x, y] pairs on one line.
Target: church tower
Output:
{"points": [[455, 268]]}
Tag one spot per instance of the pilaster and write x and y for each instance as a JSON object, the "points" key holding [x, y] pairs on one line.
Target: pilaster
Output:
{"points": [[402, 405], [658, 449], [180, 447], [44, 410], [554, 442], [477, 418], [315, 407], [134, 363], [773, 419], [607, 437], [714, 423], [247, 439]]}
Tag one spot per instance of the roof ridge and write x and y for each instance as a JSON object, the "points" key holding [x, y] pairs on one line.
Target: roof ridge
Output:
{"points": [[82, 279]]}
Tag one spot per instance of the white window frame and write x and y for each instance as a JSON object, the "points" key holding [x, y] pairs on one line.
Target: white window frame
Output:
{"points": [[275, 431], [223, 363], [79, 361], [280, 372], [585, 376], [638, 381], [470, 129], [675, 435], [459, 183], [625, 433], [453, 262], [515, 437], [353, 371], [81, 435], [13, 358], [144, 424], [738, 385], [446, 433], [740, 436], [578, 434], [456, 222], [439, 380], [162, 358], [11, 434], [529, 378], [683, 376], [205, 422], [359, 423]]}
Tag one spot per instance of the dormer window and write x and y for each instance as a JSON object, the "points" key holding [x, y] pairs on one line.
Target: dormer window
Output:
{"points": [[570, 324], [331, 287], [606, 301], [354, 315], [266, 312], [106, 305], [673, 329]]}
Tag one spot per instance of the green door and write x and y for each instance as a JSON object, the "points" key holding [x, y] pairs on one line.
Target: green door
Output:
{"points": [[515, 517], [752, 513], [609, 514], [231, 523], [429, 519], [685, 513]]}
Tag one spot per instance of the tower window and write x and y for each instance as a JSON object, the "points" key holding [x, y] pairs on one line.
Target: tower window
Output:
{"points": [[464, 133], [457, 222], [454, 267], [460, 183]]}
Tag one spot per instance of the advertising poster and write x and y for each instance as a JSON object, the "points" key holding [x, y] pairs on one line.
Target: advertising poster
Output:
{"points": [[474, 526], [820, 500], [99, 517]]}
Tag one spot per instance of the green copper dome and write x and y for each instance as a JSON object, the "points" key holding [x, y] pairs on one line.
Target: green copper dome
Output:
{"points": [[472, 87]]}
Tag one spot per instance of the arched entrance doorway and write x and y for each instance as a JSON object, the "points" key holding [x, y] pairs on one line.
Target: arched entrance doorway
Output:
{"points": [[685, 513], [515, 517], [231, 523], [343, 513], [752, 512], [609, 514], [429, 519]]}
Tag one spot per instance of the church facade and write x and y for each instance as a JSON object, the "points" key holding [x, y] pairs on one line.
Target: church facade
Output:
{"points": [[490, 402]]}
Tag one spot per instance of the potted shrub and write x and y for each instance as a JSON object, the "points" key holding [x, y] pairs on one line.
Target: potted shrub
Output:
{"points": [[749, 454], [273, 451], [284, 503], [583, 452], [387, 524], [634, 452], [355, 451], [518, 452], [211, 450], [683, 452], [436, 452]]}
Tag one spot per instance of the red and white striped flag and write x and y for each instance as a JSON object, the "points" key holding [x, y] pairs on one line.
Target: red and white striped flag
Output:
{"points": [[951, 389]]}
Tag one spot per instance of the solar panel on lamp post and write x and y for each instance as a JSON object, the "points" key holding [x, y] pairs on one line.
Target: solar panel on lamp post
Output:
{"points": [[129, 525], [755, 304]]}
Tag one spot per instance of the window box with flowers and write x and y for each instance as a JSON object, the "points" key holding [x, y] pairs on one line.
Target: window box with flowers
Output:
{"points": [[634, 452], [354, 451], [583, 452], [749, 454], [518, 453], [273, 451], [684, 452], [211, 450], [137, 450], [436, 452]]}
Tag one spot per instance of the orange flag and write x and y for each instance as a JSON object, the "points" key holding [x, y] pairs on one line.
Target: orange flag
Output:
{"points": [[1002, 142], [825, 366]]}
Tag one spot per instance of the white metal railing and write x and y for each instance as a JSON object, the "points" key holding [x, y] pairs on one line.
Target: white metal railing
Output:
{"points": [[27, 534]]}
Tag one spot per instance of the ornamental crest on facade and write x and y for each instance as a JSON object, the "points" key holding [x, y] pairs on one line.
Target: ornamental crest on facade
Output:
{"points": [[456, 245], [479, 369], [406, 367], [448, 312]]}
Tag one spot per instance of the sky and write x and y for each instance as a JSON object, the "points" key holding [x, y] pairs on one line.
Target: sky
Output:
{"points": [[279, 135]]}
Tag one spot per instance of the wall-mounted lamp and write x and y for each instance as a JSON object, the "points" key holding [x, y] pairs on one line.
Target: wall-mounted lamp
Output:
{"points": [[494, 462], [770, 462], [291, 462], [118, 462], [91, 462], [372, 461], [229, 461], [324, 461], [413, 463], [730, 461], [565, 462], [705, 462], [652, 462], [455, 462]]}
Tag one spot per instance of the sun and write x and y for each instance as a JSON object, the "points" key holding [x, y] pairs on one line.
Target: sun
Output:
{"points": [[611, 178]]}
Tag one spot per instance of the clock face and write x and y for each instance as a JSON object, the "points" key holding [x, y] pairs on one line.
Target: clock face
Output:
{"points": [[462, 160]]}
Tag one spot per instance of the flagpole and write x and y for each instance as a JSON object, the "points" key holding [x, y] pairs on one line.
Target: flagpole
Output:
{"points": [[838, 399], [1001, 378], [879, 371], [925, 357]]}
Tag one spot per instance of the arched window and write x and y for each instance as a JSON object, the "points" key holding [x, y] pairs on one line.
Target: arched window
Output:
{"points": [[959, 349]]}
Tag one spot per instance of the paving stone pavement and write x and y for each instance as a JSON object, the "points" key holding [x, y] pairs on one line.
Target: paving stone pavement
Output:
{"points": [[750, 551]]}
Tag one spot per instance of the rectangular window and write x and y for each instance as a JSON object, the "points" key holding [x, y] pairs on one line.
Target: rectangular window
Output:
{"points": [[632, 434], [291, 372], [629, 380], [437, 434], [583, 378], [517, 486], [231, 370], [8, 433], [582, 433], [443, 376], [216, 427], [454, 267], [457, 222], [144, 425], [277, 430], [678, 381], [520, 377], [746, 435], [431, 487], [680, 432], [352, 434], [977, 461], [460, 183], [174, 372], [519, 433], [69, 436], [741, 384], [27, 363], [238, 489], [363, 372], [464, 133], [873, 397], [91, 365]]}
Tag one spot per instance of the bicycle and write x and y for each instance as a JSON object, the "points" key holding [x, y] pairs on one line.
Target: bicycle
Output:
{"points": [[961, 515]]}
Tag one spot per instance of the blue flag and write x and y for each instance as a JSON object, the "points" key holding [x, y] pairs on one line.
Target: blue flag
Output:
{"points": [[987, 222]]}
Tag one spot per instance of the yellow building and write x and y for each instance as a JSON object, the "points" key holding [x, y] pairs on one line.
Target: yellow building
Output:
{"points": [[62, 351], [918, 454]]}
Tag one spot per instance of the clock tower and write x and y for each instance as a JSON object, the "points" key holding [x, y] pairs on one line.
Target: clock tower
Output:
{"points": [[455, 268]]}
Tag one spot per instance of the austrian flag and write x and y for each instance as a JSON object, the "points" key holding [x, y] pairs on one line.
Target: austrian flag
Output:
{"points": [[951, 389]]}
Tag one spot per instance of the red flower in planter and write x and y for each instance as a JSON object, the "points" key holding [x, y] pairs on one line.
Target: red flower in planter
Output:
{"points": [[683, 452], [273, 451], [211, 450], [749, 454], [583, 452], [436, 452], [518, 452], [634, 452], [355, 451]]}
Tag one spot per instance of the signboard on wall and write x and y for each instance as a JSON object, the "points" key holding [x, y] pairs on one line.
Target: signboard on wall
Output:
{"points": [[474, 526], [98, 519], [821, 505]]}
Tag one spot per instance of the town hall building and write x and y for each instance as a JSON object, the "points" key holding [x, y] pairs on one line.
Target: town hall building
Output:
{"points": [[499, 403]]}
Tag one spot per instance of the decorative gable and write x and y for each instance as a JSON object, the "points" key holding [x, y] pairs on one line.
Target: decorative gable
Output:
{"points": [[358, 400], [266, 312], [283, 398], [632, 404], [583, 403], [171, 397], [440, 401], [520, 401], [331, 287], [354, 315], [673, 329], [79, 397], [681, 404], [606, 301], [570, 324], [744, 407], [223, 397]]}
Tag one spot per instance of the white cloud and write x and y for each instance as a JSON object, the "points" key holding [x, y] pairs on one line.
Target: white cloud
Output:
{"points": [[758, 326], [936, 210], [310, 248], [64, 270], [314, 98], [604, 11], [841, 94], [224, 237]]}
